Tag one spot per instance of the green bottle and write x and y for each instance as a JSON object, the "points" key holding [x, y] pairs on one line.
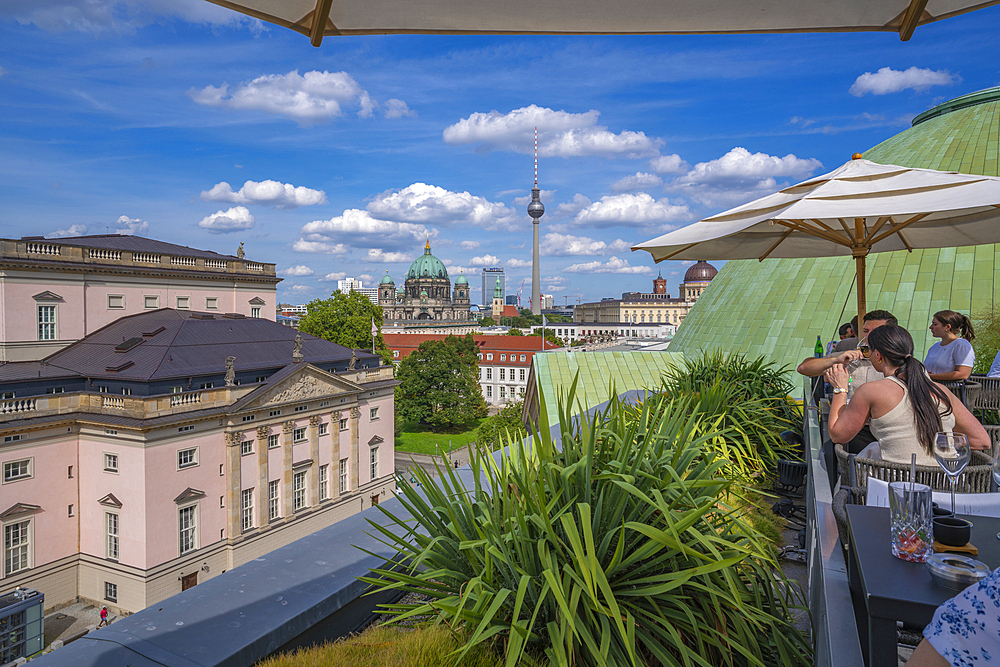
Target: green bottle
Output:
{"points": [[819, 347]]}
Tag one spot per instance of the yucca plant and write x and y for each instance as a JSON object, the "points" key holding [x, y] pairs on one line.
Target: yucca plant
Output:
{"points": [[615, 549]]}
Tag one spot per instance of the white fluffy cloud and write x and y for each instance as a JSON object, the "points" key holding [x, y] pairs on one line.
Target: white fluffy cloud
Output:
{"points": [[377, 255], [571, 208], [235, 219], [888, 80], [640, 181], [546, 195], [398, 109], [668, 164], [557, 245], [97, 16], [429, 203], [740, 176], [518, 264], [470, 245], [129, 226], [296, 271], [358, 229], [626, 210], [613, 265], [560, 134], [485, 260], [74, 230], [313, 97], [333, 277], [269, 193]]}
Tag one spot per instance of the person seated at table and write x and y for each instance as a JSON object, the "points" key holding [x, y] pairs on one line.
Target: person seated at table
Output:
{"points": [[847, 329], [952, 358], [965, 630], [995, 368], [906, 409]]}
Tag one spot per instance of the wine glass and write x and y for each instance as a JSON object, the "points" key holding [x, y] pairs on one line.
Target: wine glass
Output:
{"points": [[996, 472], [951, 450]]}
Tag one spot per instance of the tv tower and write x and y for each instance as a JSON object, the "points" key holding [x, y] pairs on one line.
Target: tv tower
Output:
{"points": [[536, 210]]}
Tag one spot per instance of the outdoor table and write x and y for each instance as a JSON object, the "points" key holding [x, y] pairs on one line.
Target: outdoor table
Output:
{"points": [[886, 589]]}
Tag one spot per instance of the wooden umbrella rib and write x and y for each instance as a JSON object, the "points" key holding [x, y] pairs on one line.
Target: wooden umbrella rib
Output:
{"points": [[799, 225], [878, 225], [320, 17], [896, 227], [847, 228], [676, 252], [822, 224], [911, 18], [776, 244]]}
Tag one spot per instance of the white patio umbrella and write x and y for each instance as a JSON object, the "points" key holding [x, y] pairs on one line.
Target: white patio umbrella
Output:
{"points": [[859, 208], [316, 18]]}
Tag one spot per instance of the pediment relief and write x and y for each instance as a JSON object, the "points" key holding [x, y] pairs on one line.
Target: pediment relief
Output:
{"points": [[189, 494], [47, 296], [257, 301], [375, 441], [110, 501], [19, 508], [307, 384]]}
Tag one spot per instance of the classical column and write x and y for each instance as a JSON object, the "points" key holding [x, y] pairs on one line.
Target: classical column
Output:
{"points": [[234, 484], [286, 468], [355, 461], [262, 495], [314, 455]]}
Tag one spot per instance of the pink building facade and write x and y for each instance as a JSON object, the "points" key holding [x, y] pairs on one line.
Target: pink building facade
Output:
{"points": [[53, 292], [125, 500]]}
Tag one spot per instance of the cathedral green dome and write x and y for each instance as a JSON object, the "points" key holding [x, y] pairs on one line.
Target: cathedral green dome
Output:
{"points": [[461, 280], [427, 266], [777, 307], [387, 280]]}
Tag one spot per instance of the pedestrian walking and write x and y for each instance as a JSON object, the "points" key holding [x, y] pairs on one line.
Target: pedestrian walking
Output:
{"points": [[104, 617]]}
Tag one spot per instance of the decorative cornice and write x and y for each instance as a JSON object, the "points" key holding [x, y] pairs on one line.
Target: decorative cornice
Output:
{"points": [[189, 494], [19, 508], [376, 440], [110, 501]]}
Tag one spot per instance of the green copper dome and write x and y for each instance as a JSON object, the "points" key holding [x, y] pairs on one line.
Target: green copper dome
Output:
{"points": [[777, 307], [387, 279], [427, 266], [461, 280]]}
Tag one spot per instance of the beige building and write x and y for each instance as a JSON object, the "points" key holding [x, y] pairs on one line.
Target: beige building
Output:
{"points": [[656, 307]]}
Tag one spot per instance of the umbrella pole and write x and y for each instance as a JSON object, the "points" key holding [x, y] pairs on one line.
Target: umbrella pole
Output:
{"points": [[859, 266]]}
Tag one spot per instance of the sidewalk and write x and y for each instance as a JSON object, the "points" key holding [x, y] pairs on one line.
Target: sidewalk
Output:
{"points": [[71, 622]]}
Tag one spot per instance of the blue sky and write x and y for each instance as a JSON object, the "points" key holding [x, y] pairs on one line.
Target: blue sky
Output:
{"points": [[198, 126]]}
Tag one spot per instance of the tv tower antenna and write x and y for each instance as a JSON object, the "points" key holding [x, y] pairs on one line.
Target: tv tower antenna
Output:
{"points": [[536, 210]]}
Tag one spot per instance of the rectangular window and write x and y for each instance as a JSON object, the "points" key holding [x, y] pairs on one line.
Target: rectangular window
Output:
{"points": [[17, 437], [246, 447], [247, 509], [207, 385], [111, 530], [255, 311], [503, 357], [273, 502], [187, 521], [343, 424], [183, 302], [110, 591], [69, 510], [262, 378], [489, 391], [503, 374], [324, 428], [343, 476], [301, 408], [489, 357], [299, 435], [522, 357], [110, 462], [503, 391], [272, 441], [55, 390], [373, 414], [522, 375], [126, 391], [298, 491], [151, 302], [15, 470], [17, 547], [187, 458], [116, 301], [211, 303], [489, 373], [182, 429], [176, 390], [324, 491], [7, 395], [373, 461], [274, 413], [46, 322]]}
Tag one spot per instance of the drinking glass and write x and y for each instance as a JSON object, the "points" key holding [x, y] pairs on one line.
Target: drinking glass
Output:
{"points": [[996, 472], [910, 520], [951, 450]]}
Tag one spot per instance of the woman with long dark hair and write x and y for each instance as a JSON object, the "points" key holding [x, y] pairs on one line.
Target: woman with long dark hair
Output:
{"points": [[906, 409], [953, 357]]}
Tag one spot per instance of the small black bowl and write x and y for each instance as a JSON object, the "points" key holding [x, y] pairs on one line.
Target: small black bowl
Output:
{"points": [[952, 532], [940, 511]]}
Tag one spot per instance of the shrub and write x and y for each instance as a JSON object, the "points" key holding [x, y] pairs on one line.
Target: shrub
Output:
{"points": [[502, 427], [620, 548], [987, 342]]}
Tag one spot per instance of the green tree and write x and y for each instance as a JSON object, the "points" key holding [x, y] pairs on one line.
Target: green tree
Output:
{"points": [[440, 384], [487, 322], [550, 336], [503, 427], [515, 332], [346, 319], [987, 342]]}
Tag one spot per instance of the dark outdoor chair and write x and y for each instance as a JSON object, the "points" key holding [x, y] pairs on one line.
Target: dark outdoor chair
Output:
{"points": [[975, 478]]}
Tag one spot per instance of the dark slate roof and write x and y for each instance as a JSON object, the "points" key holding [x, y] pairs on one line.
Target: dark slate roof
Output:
{"points": [[32, 370], [186, 346], [132, 244]]}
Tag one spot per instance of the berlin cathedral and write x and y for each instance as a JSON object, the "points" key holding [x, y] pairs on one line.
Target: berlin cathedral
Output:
{"points": [[426, 294]]}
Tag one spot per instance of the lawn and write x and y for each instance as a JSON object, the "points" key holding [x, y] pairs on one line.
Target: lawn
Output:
{"points": [[421, 440]]}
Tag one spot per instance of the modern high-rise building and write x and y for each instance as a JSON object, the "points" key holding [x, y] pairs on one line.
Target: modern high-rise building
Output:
{"points": [[489, 284], [348, 285]]}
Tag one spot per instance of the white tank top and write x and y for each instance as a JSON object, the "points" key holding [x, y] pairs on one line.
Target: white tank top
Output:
{"points": [[896, 431]]}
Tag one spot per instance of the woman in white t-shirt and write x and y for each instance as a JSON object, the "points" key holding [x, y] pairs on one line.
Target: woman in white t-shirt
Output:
{"points": [[953, 357]]}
